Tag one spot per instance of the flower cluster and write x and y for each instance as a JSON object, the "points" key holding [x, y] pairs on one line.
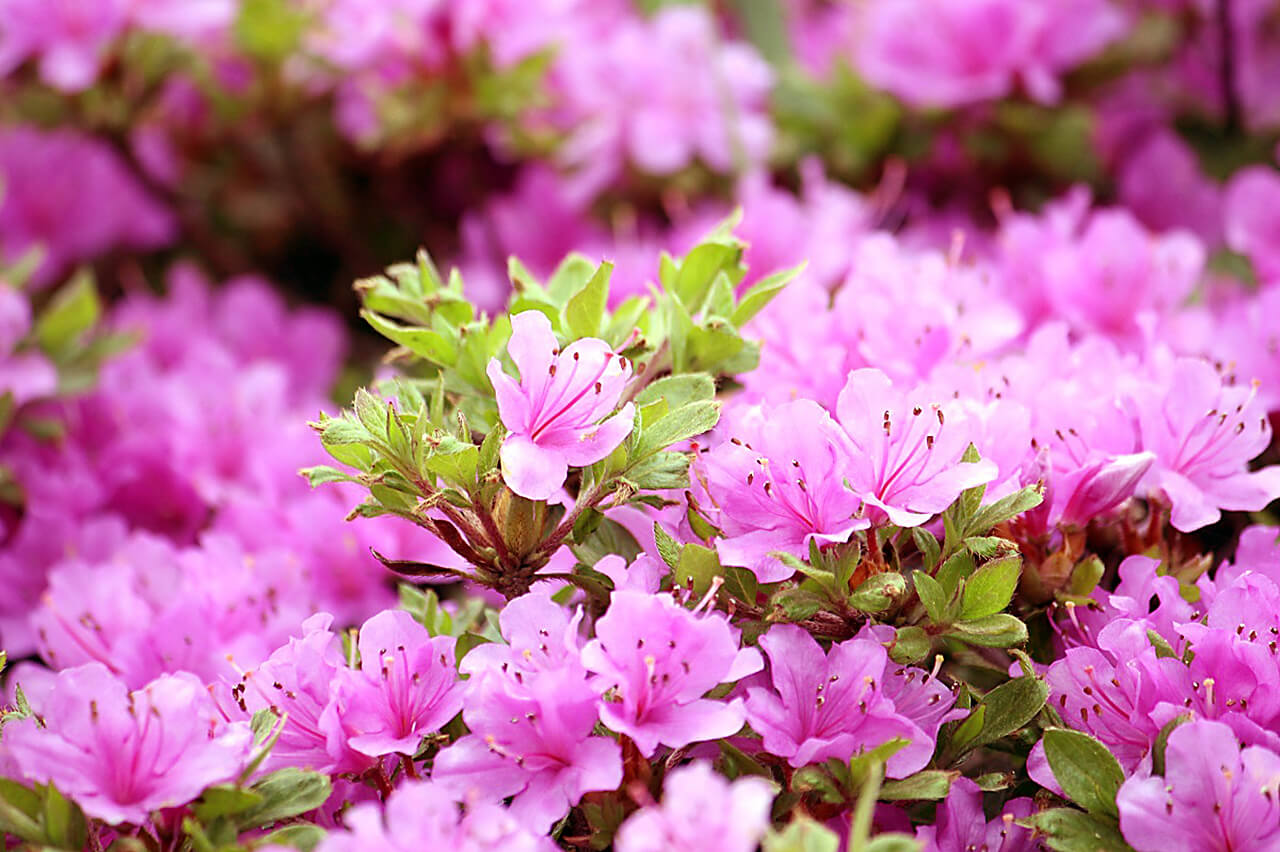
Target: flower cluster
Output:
{"points": [[838, 425]]}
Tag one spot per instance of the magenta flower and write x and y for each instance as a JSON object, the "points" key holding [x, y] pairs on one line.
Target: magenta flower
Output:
{"points": [[406, 686], [69, 37], [1214, 795], [822, 706], [778, 484], [120, 754], [531, 739], [1252, 217], [423, 815], [297, 683], [531, 713], [71, 195], [553, 415], [961, 824], [541, 636], [1203, 433], [700, 806], [907, 450], [1114, 696], [654, 660]]}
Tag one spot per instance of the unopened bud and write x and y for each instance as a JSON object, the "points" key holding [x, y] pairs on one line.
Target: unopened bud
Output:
{"points": [[520, 520]]}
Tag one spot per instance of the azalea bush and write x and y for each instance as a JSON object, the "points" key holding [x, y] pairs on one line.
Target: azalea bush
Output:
{"points": [[538, 424]]}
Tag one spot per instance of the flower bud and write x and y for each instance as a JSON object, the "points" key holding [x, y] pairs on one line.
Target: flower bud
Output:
{"points": [[522, 521]]}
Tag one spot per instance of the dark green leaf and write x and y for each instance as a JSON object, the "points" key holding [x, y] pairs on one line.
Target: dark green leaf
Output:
{"points": [[1010, 706], [1085, 770], [933, 597], [1069, 830], [285, 793], [990, 589], [668, 547], [304, 836], [1001, 630], [910, 645], [928, 785]]}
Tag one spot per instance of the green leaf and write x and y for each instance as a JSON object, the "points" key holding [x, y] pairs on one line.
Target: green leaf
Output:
{"points": [[910, 645], [660, 472], [878, 592], [369, 409], [1085, 770], [455, 462], [304, 836], [1005, 509], [1001, 630], [678, 391], [65, 826], [1162, 742], [225, 800], [570, 277], [1009, 707], [928, 546], [585, 312], [928, 785], [990, 589], [762, 293], [697, 565], [285, 793], [73, 311], [424, 342], [1086, 576], [344, 431], [802, 835], [680, 425], [933, 597], [1069, 830], [987, 546], [20, 811], [698, 270], [668, 547], [321, 474]]}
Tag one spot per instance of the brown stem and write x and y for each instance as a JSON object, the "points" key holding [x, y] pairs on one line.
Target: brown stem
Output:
{"points": [[409, 769]]}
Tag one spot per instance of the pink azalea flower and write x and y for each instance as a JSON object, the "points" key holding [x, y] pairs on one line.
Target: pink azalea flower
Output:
{"points": [[655, 660], [69, 37], [907, 449], [530, 738], [297, 682], [1252, 217], [423, 815], [406, 686], [1214, 795], [778, 484], [946, 53], [697, 804], [553, 414], [71, 195], [121, 755], [1204, 433], [962, 824], [531, 713], [822, 706]]}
